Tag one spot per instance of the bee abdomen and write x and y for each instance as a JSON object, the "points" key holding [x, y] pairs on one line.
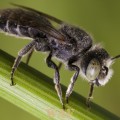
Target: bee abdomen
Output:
{"points": [[2, 24], [19, 30], [14, 28]]}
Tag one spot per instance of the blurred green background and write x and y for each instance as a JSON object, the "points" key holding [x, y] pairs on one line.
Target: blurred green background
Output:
{"points": [[101, 18]]}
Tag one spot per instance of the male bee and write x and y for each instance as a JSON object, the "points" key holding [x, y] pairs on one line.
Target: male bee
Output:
{"points": [[70, 44]]}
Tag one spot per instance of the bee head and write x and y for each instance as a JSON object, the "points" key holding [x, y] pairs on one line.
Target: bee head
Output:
{"points": [[95, 66]]}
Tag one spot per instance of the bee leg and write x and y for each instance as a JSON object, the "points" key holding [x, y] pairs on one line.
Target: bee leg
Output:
{"points": [[90, 95], [51, 64], [21, 53], [72, 81], [29, 56]]}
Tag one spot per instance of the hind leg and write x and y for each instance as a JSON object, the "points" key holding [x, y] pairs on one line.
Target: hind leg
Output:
{"points": [[21, 53], [29, 56], [51, 64]]}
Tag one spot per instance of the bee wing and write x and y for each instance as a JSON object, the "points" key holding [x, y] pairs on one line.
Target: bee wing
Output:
{"points": [[42, 26], [40, 13], [52, 32]]}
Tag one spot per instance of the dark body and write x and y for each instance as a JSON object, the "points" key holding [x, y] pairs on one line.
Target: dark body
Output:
{"points": [[30, 24], [68, 43]]}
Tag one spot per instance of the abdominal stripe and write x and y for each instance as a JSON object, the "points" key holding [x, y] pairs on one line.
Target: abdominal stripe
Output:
{"points": [[16, 29]]}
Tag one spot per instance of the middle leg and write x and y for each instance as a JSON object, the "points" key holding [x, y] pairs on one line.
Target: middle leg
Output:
{"points": [[51, 64]]}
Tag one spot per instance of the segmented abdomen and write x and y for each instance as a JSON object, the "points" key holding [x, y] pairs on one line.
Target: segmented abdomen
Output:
{"points": [[22, 23], [11, 26]]}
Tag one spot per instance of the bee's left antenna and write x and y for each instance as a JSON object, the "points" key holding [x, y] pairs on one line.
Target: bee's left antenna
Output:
{"points": [[118, 56]]}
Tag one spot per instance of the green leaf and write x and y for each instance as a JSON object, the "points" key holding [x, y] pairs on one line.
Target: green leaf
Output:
{"points": [[34, 92]]}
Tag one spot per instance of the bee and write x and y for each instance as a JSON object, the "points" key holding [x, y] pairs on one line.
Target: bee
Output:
{"points": [[70, 44]]}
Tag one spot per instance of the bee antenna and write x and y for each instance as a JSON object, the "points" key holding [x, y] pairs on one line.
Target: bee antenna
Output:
{"points": [[118, 56]]}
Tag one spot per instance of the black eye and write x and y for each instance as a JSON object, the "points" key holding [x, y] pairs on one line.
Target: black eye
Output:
{"points": [[105, 69]]}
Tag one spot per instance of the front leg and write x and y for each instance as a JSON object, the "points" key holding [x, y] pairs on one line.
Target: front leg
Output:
{"points": [[73, 79], [51, 64], [90, 95]]}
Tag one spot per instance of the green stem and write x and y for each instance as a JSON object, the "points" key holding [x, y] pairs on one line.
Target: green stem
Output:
{"points": [[35, 93]]}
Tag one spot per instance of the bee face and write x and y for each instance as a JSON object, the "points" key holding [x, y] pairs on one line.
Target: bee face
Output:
{"points": [[95, 66], [105, 73]]}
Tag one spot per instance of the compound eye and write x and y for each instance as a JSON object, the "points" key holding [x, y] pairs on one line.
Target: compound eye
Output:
{"points": [[93, 69]]}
